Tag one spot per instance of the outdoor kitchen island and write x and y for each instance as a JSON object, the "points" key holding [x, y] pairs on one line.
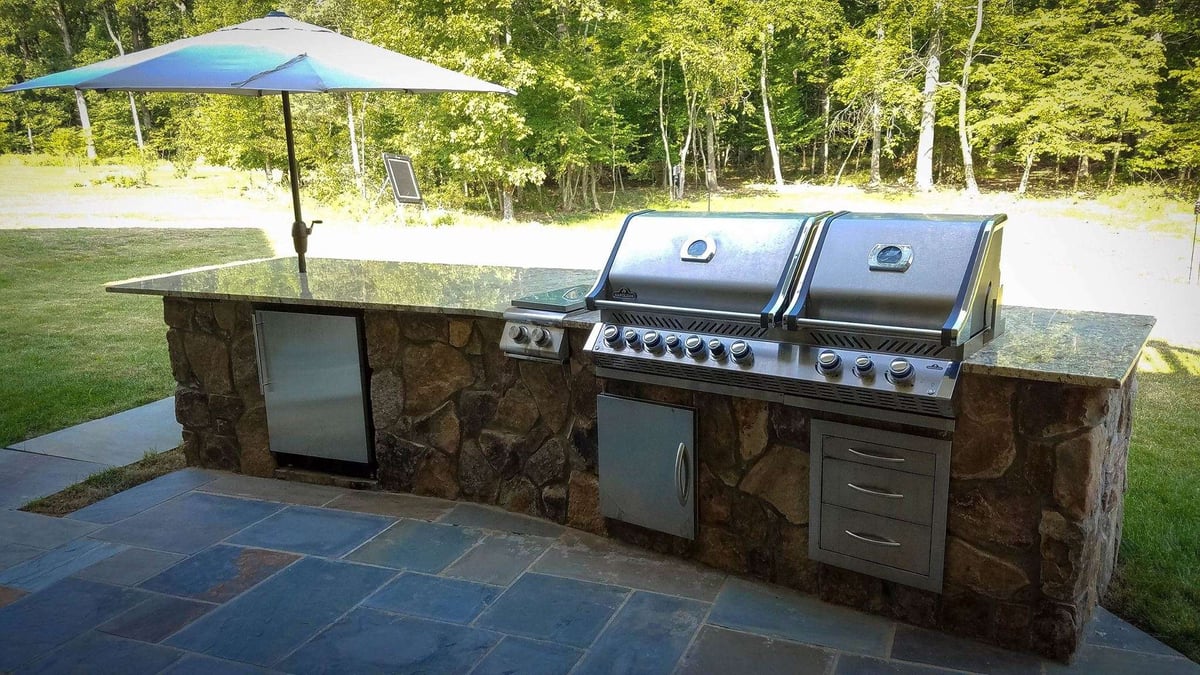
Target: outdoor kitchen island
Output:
{"points": [[1037, 461]]}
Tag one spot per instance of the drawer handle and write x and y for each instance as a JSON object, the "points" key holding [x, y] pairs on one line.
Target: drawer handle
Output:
{"points": [[881, 458], [875, 492], [874, 539]]}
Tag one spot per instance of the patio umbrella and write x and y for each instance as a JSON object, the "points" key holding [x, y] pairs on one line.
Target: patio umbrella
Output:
{"points": [[272, 55]]}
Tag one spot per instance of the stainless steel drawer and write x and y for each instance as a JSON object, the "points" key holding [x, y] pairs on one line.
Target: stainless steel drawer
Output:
{"points": [[895, 494], [887, 456], [876, 539]]}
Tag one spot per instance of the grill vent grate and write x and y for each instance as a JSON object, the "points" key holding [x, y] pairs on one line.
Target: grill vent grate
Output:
{"points": [[879, 344], [729, 328], [853, 395]]}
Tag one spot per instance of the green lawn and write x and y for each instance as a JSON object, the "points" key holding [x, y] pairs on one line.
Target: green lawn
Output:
{"points": [[70, 352], [1158, 583]]}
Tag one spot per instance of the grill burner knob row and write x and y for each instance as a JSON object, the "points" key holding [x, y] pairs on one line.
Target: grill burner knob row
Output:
{"points": [[631, 338], [540, 336], [694, 346], [901, 372], [612, 336], [673, 344], [652, 340], [829, 363], [864, 366], [716, 348], [741, 352], [518, 333]]}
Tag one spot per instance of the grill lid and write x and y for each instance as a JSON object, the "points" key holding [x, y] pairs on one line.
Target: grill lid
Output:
{"points": [[740, 266], [912, 275]]}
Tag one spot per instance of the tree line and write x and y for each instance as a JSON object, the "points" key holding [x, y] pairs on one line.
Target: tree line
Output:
{"points": [[684, 94]]}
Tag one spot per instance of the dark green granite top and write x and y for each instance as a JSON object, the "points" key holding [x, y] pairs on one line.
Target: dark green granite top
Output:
{"points": [[1093, 349], [1083, 348], [474, 290]]}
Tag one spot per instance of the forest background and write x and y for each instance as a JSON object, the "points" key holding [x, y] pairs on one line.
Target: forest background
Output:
{"points": [[1057, 95]]}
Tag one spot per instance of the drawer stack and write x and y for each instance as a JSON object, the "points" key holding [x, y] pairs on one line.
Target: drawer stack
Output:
{"points": [[878, 502]]}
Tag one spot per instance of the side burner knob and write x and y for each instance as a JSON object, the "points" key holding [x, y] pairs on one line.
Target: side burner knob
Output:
{"points": [[829, 363], [864, 366], [518, 333], [631, 338], [716, 348], [694, 346], [653, 340], [901, 372], [540, 336], [673, 344], [612, 336], [741, 352]]}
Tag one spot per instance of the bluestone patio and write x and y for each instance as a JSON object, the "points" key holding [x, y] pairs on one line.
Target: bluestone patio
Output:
{"points": [[205, 572]]}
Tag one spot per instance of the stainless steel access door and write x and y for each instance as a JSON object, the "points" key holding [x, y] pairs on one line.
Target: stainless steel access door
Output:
{"points": [[310, 367], [648, 464]]}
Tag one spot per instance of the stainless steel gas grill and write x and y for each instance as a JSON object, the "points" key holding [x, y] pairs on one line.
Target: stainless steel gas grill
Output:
{"points": [[815, 310], [864, 315]]}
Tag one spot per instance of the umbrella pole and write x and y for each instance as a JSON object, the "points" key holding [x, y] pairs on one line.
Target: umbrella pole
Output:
{"points": [[300, 231]]}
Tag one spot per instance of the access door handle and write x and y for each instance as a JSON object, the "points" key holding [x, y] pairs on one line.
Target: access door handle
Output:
{"points": [[875, 492], [683, 483], [874, 539]]}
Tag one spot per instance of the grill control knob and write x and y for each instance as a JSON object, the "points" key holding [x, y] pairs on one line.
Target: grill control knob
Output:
{"points": [[741, 352], [653, 340], [540, 336], [864, 366], [518, 333], [901, 372], [632, 338], [716, 348], [612, 336], [694, 346], [829, 363], [673, 344]]}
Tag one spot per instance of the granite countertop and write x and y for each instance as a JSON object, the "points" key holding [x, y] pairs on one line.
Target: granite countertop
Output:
{"points": [[473, 290], [1093, 349], [1083, 348]]}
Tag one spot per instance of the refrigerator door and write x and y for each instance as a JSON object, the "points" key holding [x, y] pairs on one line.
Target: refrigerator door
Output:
{"points": [[310, 367]]}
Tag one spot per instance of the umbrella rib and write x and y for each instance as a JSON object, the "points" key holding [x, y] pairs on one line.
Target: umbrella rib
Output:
{"points": [[287, 64]]}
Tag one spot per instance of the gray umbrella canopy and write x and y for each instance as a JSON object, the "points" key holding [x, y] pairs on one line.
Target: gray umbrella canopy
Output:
{"points": [[272, 55]]}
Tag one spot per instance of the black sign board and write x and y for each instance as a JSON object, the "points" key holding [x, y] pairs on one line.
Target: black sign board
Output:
{"points": [[403, 180]]}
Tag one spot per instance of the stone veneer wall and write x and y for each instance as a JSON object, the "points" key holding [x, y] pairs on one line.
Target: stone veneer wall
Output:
{"points": [[1038, 469]]}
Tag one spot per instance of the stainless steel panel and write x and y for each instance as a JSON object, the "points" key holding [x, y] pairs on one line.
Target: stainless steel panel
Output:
{"points": [[876, 539], [790, 369], [844, 287], [750, 254], [314, 386], [884, 492], [647, 460]]}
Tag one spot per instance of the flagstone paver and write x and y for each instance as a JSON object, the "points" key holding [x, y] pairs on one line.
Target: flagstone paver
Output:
{"points": [[246, 584]]}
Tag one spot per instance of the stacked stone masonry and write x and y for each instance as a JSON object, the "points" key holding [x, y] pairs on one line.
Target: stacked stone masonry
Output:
{"points": [[1037, 470]]}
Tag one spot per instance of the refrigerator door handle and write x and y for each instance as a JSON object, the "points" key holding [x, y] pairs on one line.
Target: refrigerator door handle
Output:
{"points": [[261, 355]]}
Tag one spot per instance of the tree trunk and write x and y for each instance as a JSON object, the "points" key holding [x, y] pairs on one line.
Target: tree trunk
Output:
{"points": [[506, 203], [876, 141], [964, 139], [60, 18], [767, 116], [1112, 172], [826, 104], [358, 171], [662, 127], [687, 146], [29, 135], [1081, 172], [137, 123], [710, 153], [1029, 156], [933, 67]]}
